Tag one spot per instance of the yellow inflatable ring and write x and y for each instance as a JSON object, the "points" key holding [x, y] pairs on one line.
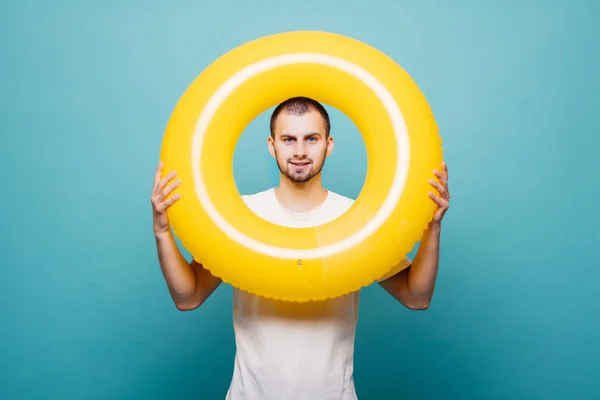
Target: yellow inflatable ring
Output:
{"points": [[365, 243]]}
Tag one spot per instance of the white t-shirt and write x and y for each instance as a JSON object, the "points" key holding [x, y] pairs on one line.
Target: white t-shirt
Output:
{"points": [[294, 351]]}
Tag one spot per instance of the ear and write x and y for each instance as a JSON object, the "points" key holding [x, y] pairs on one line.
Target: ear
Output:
{"points": [[330, 143], [271, 146]]}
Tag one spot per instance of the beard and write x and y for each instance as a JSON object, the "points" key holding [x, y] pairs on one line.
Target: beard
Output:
{"points": [[300, 176]]}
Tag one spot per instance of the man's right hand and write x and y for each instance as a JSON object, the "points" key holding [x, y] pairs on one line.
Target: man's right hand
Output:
{"points": [[159, 204]]}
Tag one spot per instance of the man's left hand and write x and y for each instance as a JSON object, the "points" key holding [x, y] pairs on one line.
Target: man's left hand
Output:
{"points": [[443, 200]]}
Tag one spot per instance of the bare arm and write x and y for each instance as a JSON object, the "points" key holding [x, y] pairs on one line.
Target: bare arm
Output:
{"points": [[414, 286], [189, 283]]}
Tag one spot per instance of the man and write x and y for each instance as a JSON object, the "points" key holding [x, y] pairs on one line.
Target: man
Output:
{"points": [[288, 351]]}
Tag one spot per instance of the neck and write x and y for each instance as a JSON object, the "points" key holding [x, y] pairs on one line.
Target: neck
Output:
{"points": [[300, 197]]}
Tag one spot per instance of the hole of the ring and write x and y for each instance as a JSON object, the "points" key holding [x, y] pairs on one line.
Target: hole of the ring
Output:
{"points": [[343, 172]]}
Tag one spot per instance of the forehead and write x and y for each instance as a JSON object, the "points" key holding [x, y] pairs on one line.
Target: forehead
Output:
{"points": [[309, 123]]}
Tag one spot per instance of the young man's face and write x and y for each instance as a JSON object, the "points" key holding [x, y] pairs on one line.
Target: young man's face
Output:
{"points": [[300, 146]]}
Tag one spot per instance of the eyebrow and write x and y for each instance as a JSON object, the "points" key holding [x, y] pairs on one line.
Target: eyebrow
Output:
{"points": [[303, 135]]}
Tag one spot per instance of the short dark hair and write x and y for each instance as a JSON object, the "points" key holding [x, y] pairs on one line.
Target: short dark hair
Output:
{"points": [[299, 106]]}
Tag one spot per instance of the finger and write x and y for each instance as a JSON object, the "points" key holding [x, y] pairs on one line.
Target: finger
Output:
{"points": [[438, 186], [443, 203], [171, 200], [164, 181], [167, 191], [162, 206], [158, 172], [440, 176]]}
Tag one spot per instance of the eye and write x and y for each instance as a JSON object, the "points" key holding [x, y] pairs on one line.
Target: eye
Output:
{"points": [[312, 139]]}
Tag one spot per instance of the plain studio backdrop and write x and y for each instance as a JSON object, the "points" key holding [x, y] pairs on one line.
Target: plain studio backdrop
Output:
{"points": [[87, 89]]}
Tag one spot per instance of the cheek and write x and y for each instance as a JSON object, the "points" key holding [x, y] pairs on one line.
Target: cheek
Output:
{"points": [[318, 152], [282, 152]]}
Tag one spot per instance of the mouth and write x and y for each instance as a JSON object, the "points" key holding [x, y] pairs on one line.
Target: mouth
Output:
{"points": [[300, 165]]}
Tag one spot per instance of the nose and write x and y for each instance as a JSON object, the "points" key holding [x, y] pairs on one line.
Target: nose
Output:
{"points": [[300, 149]]}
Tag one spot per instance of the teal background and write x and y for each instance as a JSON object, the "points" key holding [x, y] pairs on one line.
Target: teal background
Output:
{"points": [[87, 88]]}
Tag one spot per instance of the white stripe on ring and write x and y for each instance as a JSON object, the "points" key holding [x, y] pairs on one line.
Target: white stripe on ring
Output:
{"points": [[402, 143]]}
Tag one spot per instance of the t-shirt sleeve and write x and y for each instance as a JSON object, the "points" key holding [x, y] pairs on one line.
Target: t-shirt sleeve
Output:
{"points": [[403, 264]]}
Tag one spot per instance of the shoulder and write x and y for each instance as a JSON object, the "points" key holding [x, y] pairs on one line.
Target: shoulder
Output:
{"points": [[260, 200], [339, 200], [268, 193]]}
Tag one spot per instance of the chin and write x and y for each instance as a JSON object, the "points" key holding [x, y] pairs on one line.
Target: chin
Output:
{"points": [[302, 178]]}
